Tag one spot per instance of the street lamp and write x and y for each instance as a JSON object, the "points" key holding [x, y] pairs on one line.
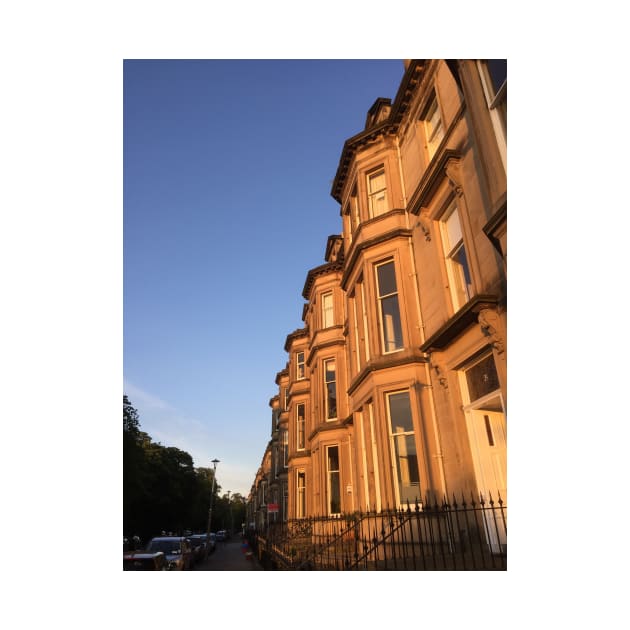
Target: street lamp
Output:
{"points": [[230, 506], [214, 478]]}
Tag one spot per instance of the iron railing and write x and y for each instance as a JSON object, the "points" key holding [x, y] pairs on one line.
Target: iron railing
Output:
{"points": [[464, 535]]}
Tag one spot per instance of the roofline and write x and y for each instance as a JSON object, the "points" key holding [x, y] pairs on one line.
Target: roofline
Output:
{"points": [[410, 79]]}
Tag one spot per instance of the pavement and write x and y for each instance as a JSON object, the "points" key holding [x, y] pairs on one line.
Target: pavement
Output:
{"points": [[230, 555]]}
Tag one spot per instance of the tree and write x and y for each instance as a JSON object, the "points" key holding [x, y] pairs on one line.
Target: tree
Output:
{"points": [[161, 488]]}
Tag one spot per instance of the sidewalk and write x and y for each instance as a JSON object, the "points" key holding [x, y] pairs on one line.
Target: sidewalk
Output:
{"points": [[229, 556]]}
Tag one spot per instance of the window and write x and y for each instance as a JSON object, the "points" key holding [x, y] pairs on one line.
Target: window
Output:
{"points": [[433, 128], [354, 209], [482, 378], [301, 494], [330, 386], [327, 310], [286, 399], [285, 500], [334, 489], [299, 366], [377, 193], [285, 448], [493, 73], [458, 271], [403, 446], [300, 422], [391, 330]]}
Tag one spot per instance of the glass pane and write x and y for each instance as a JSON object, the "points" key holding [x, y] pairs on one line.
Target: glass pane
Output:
{"points": [[453, 229], [335, 493], [332, 400], [497, 69], [330, 371], [392, 330], [377, 181], [434, 122], [482, 378], [461, 277], [333, 458], [378, 204], [407, 468], [400, 412], [386, 279]]}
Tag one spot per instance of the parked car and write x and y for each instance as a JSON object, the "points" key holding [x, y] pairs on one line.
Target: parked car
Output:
{"points": [[212, 542], [177, 549], [198, 543], [221, 535], [144, 561]]}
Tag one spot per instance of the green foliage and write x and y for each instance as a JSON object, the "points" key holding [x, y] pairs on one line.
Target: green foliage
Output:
{"points": [[161, 488]]}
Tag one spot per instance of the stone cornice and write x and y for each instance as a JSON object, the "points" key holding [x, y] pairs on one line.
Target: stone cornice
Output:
{"points": [[358, 249], [281, 374], [319, 271], [430, 181], [329, 426], [314, 349], [296, 334], [299, 454], [409, 81], [459, 322], [382, 363]]}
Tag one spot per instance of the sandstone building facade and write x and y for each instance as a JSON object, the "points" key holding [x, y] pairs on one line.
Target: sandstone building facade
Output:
{"points": [[395, 387]]}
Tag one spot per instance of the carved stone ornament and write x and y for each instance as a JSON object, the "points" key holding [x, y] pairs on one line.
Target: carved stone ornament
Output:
{"points": [[441, 376], [452, 172], [423, 223], [492, 327]]}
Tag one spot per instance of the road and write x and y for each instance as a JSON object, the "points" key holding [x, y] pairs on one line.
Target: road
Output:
{"points": [[229, 556]]}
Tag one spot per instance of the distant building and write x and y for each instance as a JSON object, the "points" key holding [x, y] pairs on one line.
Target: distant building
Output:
{"points": [[395, 388]]}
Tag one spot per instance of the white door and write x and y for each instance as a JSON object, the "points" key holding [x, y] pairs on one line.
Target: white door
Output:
{"points": [[490, 458]]}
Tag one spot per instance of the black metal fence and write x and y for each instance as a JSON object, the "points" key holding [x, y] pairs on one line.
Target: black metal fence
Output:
{"points": [[429, 536]]}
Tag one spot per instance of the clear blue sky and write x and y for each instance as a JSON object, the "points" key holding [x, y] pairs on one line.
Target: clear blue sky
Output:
{"points": [[228, 168]]}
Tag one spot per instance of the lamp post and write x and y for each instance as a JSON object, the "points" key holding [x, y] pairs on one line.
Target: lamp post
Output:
{"points": [[228, 496], [214, 478], [230, 506]]}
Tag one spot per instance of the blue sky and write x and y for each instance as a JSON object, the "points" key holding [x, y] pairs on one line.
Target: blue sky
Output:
{"points": [[228, 168]]}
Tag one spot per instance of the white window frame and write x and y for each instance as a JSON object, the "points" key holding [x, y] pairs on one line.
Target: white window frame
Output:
{"points": [[326, 383], [329, 474], [328, 313], [300, 374], [300, 426], [392, 446], [460, 290], [385, 343], [377, 197], [433, 133]]}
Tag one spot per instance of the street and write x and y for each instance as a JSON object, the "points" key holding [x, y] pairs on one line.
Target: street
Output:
{"points": [[229, 555]]}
